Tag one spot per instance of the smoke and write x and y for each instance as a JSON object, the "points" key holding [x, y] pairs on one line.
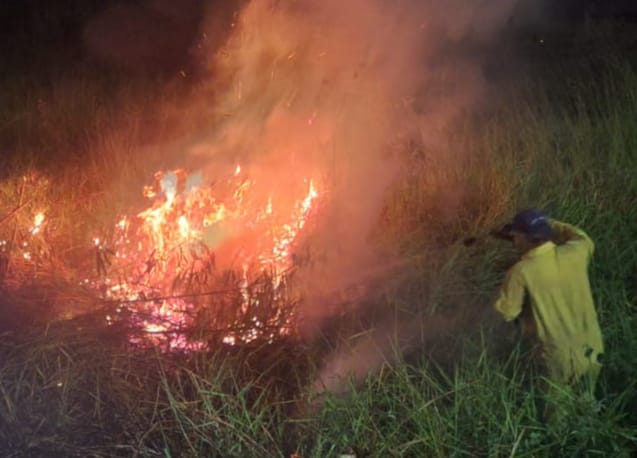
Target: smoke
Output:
{"points": [[327, 89], [315, 89], [324, 90]]}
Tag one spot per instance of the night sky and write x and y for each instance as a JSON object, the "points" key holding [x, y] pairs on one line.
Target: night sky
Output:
{"points": [[160, 35]]}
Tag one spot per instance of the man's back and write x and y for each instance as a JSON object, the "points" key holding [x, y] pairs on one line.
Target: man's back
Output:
{"points": [[555, 279]]}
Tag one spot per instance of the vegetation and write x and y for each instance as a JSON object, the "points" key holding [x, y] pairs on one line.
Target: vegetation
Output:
{"points": [[562, 139]]}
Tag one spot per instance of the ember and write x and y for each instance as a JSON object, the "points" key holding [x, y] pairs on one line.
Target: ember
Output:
{"points": [[24, 247]]}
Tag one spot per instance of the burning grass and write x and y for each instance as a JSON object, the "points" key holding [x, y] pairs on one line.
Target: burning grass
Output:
{"points": [[176, 252], [170, 267]]}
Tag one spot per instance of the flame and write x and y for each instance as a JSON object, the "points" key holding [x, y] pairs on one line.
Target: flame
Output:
{"points": [[190, 230], [24, 248], [37, 223]]}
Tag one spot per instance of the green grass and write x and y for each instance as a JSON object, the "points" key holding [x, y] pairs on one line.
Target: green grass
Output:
{"points": [[463, 388]]}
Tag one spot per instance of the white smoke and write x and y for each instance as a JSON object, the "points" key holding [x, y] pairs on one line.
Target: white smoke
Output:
{"points": [[307, 87]]}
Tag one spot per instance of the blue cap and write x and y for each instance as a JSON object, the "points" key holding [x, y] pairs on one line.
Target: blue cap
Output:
{"points": [[534, 223]]}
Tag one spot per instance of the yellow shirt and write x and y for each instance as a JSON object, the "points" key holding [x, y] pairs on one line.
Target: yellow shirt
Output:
{"points": [[555, 278]]}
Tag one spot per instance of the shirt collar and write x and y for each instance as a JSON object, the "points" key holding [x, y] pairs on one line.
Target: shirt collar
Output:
{"points": [[540, 250]]}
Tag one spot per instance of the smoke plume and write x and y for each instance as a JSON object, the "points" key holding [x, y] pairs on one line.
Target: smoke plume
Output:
{"points": [[328, 88]]}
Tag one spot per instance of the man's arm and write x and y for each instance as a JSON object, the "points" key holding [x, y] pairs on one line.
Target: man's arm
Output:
{"points": [[511, 296], [567, 233]]}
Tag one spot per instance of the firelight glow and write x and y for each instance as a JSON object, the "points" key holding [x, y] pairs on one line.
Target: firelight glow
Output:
{"points": [[37, 223], [183, 231]]}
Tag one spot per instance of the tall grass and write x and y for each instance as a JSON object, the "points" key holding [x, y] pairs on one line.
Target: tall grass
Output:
{"points": [[565, 142]]}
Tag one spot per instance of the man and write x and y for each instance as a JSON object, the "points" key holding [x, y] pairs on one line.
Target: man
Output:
{"points": [[549, 287]]}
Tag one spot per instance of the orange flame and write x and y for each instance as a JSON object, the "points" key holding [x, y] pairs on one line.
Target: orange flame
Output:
{"points": [[188, 226], [37, 223]]}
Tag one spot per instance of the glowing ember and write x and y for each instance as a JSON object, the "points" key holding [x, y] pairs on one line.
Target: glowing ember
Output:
{"points": [[183, 247], [26, 248], [37, 223]]}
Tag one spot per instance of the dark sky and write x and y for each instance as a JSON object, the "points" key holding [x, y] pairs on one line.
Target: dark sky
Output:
{"points": [[36, 16], [43, 32], [128, 33]]}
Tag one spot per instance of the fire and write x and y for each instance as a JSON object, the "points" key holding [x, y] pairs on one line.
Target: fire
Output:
{"points": [[37, 223], [193, 232], [27, 248]]}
